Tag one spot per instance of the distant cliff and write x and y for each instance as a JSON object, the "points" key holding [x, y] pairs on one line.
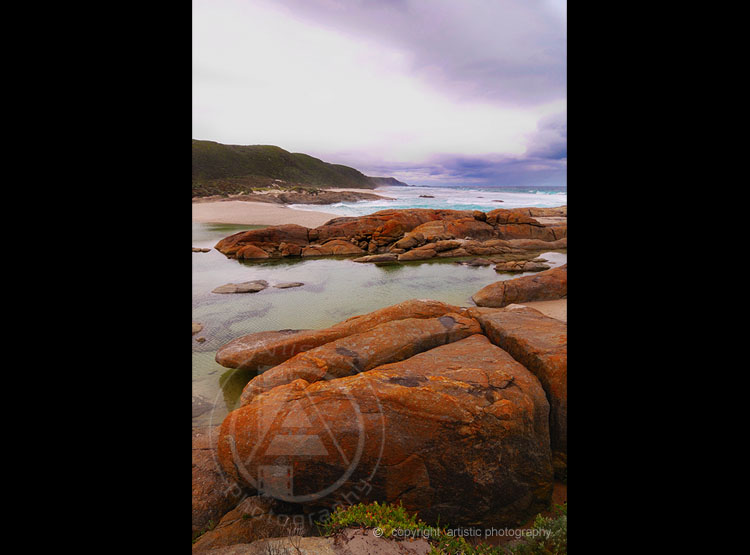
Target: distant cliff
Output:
{"points": [[231, 169], [380, 181]]}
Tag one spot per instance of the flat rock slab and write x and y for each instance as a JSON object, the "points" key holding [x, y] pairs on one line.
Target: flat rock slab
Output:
{"points": [[259, 351], [521, 266], [352, 541], [288, 285], [546, 285], [282, 546], [387, 342], [540, 343], [244, 287]]}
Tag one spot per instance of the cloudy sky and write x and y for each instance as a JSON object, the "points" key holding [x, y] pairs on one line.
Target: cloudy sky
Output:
{"points": [[432, 92]]}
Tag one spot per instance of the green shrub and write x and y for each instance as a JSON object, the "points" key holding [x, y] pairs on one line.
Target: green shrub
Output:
{"points": [[373, 515], [553, 540]]}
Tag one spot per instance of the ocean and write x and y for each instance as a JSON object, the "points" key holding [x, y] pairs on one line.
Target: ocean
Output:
{"points": [[454, 198]]}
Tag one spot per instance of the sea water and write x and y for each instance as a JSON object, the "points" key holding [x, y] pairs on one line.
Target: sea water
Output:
{"points": [[466, 198], [334, 289]]}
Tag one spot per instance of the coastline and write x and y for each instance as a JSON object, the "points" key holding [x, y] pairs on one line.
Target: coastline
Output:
{"points": [[256, 213]]}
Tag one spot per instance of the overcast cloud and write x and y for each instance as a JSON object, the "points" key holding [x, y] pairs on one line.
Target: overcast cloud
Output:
{"points": [[429, 91]]}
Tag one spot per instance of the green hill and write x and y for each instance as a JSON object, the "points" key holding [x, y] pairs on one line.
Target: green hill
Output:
{"points": [[220, 169]]}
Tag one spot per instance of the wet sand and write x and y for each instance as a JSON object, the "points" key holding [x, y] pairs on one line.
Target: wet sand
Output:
{"points": [[256, 213]]}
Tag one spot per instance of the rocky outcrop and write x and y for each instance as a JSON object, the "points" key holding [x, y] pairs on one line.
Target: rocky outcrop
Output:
{"points": [[259, 351], [398, 232], [387, 342], [254, 518], [550, 284], [459, 432], [214, 493], [540, 343]]}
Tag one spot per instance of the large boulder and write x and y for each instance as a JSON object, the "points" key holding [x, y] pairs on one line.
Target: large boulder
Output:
{"points": [[388, 342], [260, 351], [540, 343], [267, 239], [546, 285], [459, 433]]}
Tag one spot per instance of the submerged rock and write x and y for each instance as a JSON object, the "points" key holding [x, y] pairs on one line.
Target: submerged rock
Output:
{"points": [[546, 285], [197, 327], [288, 285], [475, 262], [244, 287]]}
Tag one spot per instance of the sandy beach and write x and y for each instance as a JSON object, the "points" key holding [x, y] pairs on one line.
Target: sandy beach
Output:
{"points": [[256, 213]]}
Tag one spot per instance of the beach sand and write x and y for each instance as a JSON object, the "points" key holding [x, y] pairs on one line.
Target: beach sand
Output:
{"points": [[256, 213], [557, 309]]}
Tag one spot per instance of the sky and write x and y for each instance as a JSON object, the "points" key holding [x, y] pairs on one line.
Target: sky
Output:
{"points": [[432, 92]]}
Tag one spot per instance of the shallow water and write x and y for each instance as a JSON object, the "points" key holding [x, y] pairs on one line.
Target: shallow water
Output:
{"points": [[335, 289]]}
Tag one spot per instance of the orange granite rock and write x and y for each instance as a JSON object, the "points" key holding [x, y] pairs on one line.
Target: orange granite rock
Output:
{"points": [[546, 285], [459, 432], [540, 343], [387, 342], [259, 351]]}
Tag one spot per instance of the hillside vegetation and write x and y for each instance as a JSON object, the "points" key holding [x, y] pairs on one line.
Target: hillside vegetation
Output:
{"points": [[225, 169]]}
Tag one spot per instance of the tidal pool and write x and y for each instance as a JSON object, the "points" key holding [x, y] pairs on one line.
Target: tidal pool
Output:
{"points": [[335, 289]]}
